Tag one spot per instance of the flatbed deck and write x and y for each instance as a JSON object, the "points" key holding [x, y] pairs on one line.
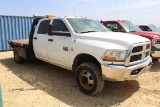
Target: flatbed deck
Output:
{"points": [[21, 42], [24, 47]]}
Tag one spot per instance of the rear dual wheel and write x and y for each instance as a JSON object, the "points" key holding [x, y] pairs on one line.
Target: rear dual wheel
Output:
{"points": [[89, 78]]}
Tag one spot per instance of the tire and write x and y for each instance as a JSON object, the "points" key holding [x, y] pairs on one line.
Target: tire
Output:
{"points": [[17, 58], [89, 78], [156, 59]]}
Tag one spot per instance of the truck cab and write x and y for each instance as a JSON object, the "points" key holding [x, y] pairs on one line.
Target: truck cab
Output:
{"points": [[150, 28], [87, 48], [126, 26]]}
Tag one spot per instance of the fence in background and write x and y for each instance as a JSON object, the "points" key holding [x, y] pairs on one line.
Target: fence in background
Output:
{"points": [[13, 27]]}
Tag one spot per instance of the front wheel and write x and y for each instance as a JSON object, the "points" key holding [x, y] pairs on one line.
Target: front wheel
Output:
{"points": [[89, 78], [17, 58]]}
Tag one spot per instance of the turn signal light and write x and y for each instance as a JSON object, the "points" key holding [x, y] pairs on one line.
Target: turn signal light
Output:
{"points": [[109, 58]]}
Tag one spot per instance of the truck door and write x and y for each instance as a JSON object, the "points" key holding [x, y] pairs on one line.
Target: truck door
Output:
{"points": [[40, 40], [59, 44]]}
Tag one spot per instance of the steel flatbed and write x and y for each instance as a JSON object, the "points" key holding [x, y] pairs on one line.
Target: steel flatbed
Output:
{"points": [[24, 47], [17, 43]]}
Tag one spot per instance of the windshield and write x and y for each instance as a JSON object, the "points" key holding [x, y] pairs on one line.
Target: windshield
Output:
{"points": [[130, 27], [82, 25], [155, 29]]}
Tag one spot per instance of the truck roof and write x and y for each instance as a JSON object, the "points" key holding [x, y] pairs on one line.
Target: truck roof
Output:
{"points": [[116, 21], [53, 16], [147, 25], [74, 17]]}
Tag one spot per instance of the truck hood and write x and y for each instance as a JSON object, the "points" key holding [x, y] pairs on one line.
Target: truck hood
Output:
{"points": [[120, 39], [149, 35]]}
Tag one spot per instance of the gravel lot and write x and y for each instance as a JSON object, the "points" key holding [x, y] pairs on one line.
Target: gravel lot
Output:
{"points": [[39, 84]]}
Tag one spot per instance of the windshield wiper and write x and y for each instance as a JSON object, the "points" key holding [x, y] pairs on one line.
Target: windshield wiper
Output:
{"points": [[88, 31], [133, 31], [105, 30]]}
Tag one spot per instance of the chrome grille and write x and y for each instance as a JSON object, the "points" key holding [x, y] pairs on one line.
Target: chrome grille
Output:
{"points": [[157, 41], [136, 58], [147, 54], [148, 46], [137, 49], [138, 53]]}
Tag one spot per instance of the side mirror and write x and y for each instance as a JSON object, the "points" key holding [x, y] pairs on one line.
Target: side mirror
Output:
{"points": [[59, 33], [114, 28]]}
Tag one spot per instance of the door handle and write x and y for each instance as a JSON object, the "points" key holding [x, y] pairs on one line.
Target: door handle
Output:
{"points": [[51, 40], [35, 38]]}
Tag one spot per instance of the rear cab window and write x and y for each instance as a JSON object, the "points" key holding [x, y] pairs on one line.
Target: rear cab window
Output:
{"points": [[145, 28], [43, 26], [114, 27]]}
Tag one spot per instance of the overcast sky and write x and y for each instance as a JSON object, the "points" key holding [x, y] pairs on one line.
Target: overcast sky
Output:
{"points": [[137, 11]]}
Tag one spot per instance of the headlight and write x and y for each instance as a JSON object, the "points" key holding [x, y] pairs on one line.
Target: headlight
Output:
{"points": [[114, 55]]}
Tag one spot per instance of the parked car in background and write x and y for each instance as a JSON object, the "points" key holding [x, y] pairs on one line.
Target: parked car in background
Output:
{"points": [[151, 28], [128, 27], [87, 48]]}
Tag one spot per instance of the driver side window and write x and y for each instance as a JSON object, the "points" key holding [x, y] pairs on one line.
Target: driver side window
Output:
{"points": [[59, 25], [114, 27]]}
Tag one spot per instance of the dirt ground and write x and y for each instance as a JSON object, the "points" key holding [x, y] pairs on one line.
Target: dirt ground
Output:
{"points": [[39, 84]]}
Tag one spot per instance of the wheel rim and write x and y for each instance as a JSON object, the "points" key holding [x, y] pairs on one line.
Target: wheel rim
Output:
{"points": [[86, 79]]}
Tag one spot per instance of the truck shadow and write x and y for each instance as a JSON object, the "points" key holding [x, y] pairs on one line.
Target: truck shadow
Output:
{"points": [[61, 84], [156, 66]]}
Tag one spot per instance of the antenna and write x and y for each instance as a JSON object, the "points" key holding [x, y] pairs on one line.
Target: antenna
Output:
{"points": [[74, 7], [74, 10], [129, 23], [159, 17]]}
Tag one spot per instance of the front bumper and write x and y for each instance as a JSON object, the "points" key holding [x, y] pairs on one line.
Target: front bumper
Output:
{"points": [[122, 73], [155, 52]]}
